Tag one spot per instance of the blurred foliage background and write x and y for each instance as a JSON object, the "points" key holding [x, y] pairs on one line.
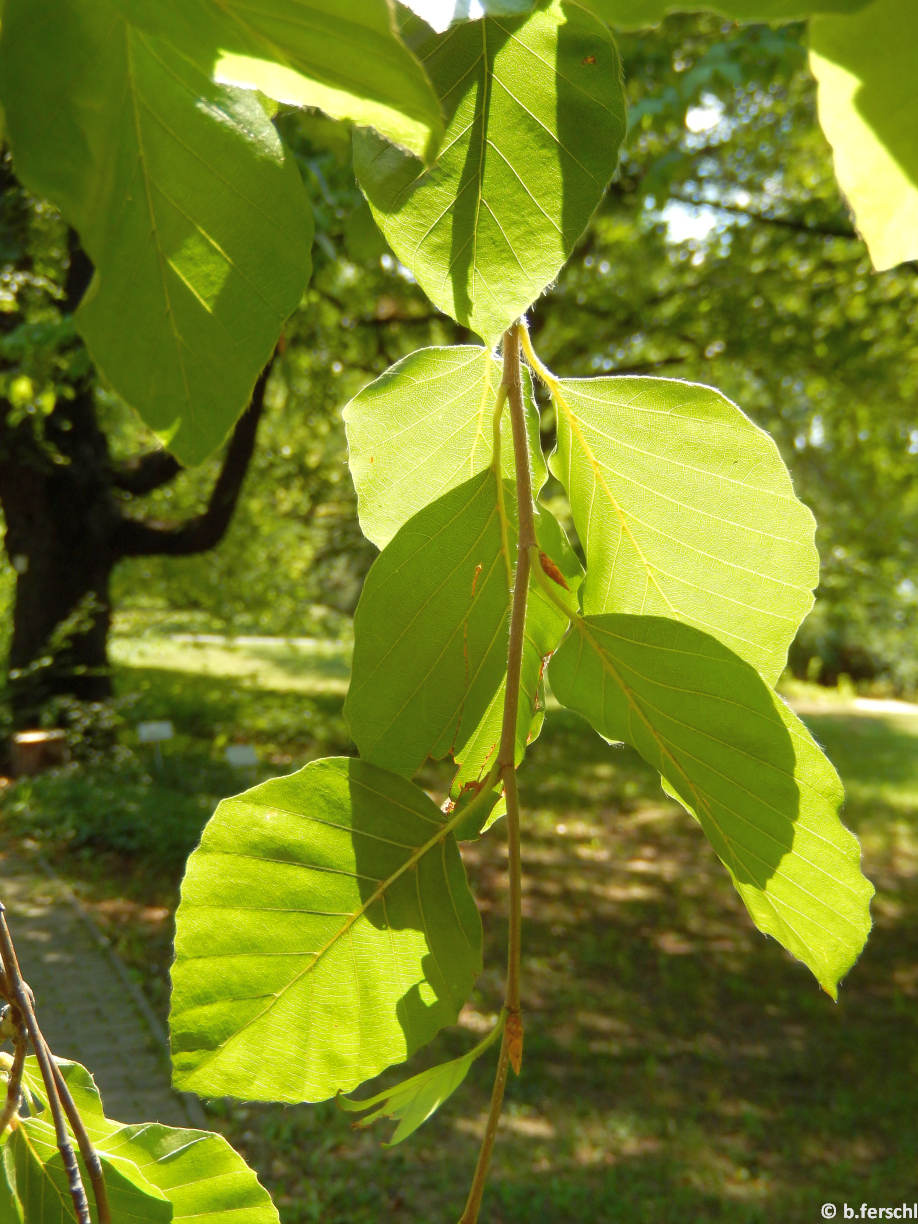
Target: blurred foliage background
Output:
{"points": [[723, 253]]}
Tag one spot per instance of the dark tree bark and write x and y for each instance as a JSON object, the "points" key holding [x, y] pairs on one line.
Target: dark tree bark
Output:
{"points": [[59, 514], [68, 524], [67, 504], [66, 530]]}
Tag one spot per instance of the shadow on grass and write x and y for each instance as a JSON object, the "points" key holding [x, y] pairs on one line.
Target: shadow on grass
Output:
{"points": [[678, 1066]]}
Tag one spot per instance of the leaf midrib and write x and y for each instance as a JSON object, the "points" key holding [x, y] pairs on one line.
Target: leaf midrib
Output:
{"points": [[410, 864]]}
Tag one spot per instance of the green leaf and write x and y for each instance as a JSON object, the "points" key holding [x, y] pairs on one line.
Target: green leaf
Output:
{"points": [[534, 119], [739, 761], [194, 217], [415, 1100], [685, 509], [430, 636], [35, 1171], [10, 1205], [430, 630], [346, 60], [197, 1171], [424, 427], [633, 14], [325, 931], [865, 67]]}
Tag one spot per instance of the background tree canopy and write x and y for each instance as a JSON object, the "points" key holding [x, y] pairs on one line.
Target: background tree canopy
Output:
{"points": [[723, 254]]}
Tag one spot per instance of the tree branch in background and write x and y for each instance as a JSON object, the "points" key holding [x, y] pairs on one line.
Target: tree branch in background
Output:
{"points": [[143, 473], [826, 230], [134, 538]]}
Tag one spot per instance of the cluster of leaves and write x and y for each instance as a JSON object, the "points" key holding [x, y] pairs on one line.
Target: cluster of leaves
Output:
{"points": [[152, 1173], [190, 207], [327, 929]]}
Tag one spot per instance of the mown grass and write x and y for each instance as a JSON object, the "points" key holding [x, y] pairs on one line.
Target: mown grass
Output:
{"points": [[678, 1065]]}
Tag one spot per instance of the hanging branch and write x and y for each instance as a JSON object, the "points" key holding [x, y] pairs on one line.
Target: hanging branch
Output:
{"points": [[511, 1046], [60, 1102]]}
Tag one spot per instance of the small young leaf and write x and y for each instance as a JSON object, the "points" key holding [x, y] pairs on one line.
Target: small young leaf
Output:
{"points": [[535, 114], [865, 67], [685, 509], [416, 1099], [424, 427], [194, 217], [325, 932], [736, 758]]}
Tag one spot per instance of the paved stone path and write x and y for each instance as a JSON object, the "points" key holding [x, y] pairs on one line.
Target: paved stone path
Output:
{"points": [[87, 1006]]}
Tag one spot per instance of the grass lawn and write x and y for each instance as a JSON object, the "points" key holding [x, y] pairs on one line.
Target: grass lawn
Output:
{"points": [[678, 1066]]}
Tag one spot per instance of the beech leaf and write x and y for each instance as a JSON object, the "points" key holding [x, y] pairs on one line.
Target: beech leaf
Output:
{"points": [[741, 762], [430, 635], [424, 427], [194, 1171], [865, 67], [345, 60], [193, 215], [685, 509], [535, 115], [326, 931]]}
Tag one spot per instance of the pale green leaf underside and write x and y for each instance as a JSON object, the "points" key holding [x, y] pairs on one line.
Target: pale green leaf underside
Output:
{"points": [[430, 636], [636, 13], [416, 1099], [534, 119], [196, 221], [413, 1102], [347, 60], [685, 509], [203, 1178], [424, 427], [325, 932], [35, 1171], [741, 762], [866, 66], [197, 1171]]}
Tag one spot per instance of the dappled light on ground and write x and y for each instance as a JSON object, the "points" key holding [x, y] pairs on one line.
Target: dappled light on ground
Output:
{"points": [[678, 1065]]}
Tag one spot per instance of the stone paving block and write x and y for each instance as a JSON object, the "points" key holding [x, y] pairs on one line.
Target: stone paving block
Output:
{"points": [[86, 1007]]}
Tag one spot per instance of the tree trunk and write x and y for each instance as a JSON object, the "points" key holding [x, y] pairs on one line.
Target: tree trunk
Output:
{"points": [[66, 531], [60, 519], [63, 500]]}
